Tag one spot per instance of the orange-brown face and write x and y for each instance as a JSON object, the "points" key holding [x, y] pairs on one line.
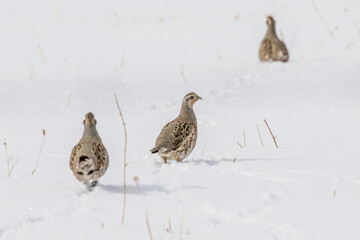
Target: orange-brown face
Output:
{"points": [[191, 99]]}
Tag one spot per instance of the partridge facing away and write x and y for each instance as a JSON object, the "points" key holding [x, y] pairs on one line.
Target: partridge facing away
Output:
{"points": [[89, 158], [271, 47], [177, 139]]}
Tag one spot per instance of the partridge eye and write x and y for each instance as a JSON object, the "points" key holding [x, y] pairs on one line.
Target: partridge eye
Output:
{"points": [[192, 97]]}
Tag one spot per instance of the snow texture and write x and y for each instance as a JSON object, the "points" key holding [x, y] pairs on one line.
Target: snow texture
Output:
{"points": [[62, 59]]}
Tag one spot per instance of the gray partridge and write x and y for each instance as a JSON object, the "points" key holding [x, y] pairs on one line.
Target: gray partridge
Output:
{"points": [[89, 158], [271, 47], [177, 139]]}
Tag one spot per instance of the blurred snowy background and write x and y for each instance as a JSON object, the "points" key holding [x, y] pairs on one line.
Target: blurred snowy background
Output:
{"points": [[62, 59]]}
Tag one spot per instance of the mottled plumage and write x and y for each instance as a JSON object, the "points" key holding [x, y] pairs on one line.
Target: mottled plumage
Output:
{"points": [[177, 139], [271, 47], [89, 158]]}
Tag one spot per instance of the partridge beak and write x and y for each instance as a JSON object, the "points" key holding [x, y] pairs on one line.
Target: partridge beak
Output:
{"points": [[199, 98]]}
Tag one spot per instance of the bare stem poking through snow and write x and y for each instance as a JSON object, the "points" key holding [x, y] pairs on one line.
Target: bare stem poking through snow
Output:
{"points": [[69, 99], [262, 144], [42, 144], [10, 162], [125, 134], [244, 137], [182, 225], [136, 179], [203, 150], [240, 145], [322, 19], [272, 135], [182, 73]]}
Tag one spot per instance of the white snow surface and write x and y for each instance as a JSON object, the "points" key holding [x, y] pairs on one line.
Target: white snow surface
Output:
{"points": [[62, 59]]}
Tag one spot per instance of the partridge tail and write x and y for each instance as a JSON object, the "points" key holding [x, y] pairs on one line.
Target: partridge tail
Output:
{"points": [[154, 150]]}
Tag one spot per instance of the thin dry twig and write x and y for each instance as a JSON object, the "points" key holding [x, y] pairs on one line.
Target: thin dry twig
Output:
{"points": [[125, 134], [218, 54], [244, 137], [13, 164], [42, 144], [136, 179], [182, 225], [334, 193], [352, 20], [117, 18], [31, 70], [203, 150], [257, 126], [274, 138], [182, 73], [281, 35], [169, 229], [321, 18], [10, 162], [123, 60], [69, 99], [349, 45], [41, 53], [240, 145], [294, 38], [7, 158]]}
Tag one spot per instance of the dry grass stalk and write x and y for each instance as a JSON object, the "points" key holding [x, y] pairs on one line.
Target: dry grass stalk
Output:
{"points": [[125, 146], [244, 137], [349, 45], [218, 54], [272, 135], [169, 229], [234, 160], [136, 179], [182, 73], [123, 61], [203, 150], [10, 162], [182, 225], [322, 19], [240, 145], [69, 99], [31, 70], [42, 144], [352, 20], [294, 38], [257, 126], [281, 35], [334, 193], [117, 18], [41, 53]]}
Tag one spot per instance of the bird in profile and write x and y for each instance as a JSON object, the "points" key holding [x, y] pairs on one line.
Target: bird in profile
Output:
{"points": [[271, 47], [89, 158], [177, 139]]}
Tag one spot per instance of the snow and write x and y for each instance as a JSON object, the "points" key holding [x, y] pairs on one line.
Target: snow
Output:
{"points": [[151, 54]]}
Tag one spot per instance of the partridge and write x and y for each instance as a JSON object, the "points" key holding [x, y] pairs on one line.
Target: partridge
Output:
{"points": [[89, 158], [177, 139], [271, 47]]}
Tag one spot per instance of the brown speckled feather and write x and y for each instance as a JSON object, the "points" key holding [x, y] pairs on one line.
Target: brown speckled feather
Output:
{"points": [[177, 138]]}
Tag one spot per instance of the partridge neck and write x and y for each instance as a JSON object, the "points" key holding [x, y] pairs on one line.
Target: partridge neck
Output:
{"points": [[187, 112], [271, 30], [90, 132]]}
